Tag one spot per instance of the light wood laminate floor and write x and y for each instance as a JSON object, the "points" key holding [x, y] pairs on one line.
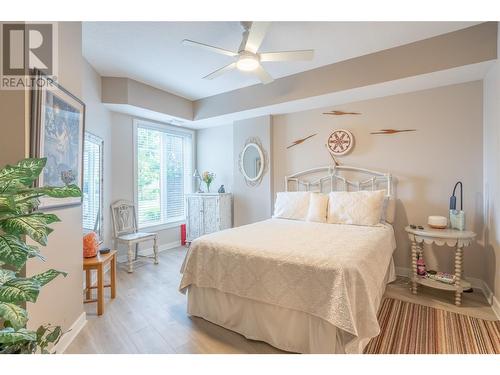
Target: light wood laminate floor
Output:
{"points": [[149, 315]]}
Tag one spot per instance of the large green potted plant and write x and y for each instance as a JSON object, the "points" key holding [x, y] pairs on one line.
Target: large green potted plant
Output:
{"points": [[19, 218]]}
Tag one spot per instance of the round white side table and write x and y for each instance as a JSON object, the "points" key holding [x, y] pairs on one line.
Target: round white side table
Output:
{"points": [[451, 237]]}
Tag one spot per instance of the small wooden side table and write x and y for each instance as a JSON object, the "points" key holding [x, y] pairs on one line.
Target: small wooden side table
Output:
{"points": [[451, 237], [98, 263]]}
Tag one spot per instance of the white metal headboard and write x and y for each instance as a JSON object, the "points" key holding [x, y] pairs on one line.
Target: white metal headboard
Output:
{"points": [[343, 178], [332, 176]]}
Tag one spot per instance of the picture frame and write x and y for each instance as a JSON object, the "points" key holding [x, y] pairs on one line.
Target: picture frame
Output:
{"points": [[57, 133]]}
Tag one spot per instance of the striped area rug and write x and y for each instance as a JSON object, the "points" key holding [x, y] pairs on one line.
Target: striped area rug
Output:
{"points": [[408, 328]]}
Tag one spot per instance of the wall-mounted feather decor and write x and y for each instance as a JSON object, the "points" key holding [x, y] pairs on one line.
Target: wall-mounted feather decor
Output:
{"points": [[335, 161], [299, 141], [393, 131], [340, 113]]}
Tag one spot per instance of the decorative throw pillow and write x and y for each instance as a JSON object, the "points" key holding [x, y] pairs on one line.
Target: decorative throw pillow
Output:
{"points": [[357, 207], [291, 205], [318, 207]]}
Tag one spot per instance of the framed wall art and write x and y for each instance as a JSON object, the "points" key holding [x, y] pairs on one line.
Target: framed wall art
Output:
{"points": [[57, 128]]}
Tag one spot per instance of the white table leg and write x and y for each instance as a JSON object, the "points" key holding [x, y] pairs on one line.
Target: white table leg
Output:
{"points": [[458, 275], [414, 250]]}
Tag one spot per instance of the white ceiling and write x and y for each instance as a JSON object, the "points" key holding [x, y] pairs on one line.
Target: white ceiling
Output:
{"points": [[151, 52]]}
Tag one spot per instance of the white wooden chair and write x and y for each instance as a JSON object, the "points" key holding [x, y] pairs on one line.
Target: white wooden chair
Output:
{"points": [[125, 231]]}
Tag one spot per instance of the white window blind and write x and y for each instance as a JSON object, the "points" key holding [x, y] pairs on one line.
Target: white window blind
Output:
{"points": [[163, 170], [92, 183]]}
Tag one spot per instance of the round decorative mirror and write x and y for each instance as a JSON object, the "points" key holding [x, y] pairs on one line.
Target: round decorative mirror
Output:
{"points": [[252, 162]]}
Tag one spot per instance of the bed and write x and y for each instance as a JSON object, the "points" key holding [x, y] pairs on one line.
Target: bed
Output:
{"points": [[300, 286]]}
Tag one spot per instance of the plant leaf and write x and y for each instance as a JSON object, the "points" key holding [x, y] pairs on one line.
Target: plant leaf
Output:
{"points": [[56, 191], [19, 290], [6, 275], [23, 173], [40, 332], [6, 202], [54, 335], [47, 276], [34, 252], [11, 336], [13, 251], [33, 225], [26, 202], [14, 314]]}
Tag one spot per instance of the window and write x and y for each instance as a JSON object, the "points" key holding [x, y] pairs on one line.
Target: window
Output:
{"points": [[163, 168], [92, 183]]}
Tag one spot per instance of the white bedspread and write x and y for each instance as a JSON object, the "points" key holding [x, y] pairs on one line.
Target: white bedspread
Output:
{"points": [[331, 271]]}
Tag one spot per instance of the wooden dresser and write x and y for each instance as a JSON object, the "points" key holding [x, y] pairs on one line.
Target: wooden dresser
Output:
{"points": [[208, 213]]}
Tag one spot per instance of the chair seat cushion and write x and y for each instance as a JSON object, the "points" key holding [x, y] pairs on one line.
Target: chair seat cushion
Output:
{"points": [[136, 236]]}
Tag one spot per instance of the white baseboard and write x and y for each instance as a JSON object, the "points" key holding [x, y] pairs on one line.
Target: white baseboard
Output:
{"points": [[475, 283], [496, 307], [70, 335], [403, 271], [149, 251], [480, 284], [490, 297]]}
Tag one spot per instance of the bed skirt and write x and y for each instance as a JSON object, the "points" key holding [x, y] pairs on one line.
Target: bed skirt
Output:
{"points": [[286, 329]]}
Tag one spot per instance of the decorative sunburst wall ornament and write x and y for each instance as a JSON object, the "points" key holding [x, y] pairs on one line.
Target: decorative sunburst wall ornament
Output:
{"points": [[340, 142]]}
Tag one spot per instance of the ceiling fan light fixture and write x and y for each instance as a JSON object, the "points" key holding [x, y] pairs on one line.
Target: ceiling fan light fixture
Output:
{"points": [[248, 59], [247, 63]]}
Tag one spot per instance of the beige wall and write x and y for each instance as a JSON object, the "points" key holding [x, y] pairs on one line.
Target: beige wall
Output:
{"points": [[130, 92], [252, 204], [215, 154], [446, 147], [60, 302], [492, 178], [122, 173], [13, 125]]}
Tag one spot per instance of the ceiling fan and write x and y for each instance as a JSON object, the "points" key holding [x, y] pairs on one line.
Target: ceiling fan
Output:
{"points": [[247, 57]]}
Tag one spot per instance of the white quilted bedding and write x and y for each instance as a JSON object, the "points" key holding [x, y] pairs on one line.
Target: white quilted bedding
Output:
{"points": [[332, 271]]}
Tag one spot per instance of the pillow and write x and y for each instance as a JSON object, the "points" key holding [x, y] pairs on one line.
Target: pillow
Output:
{"points": [[357, 207], [318, 206], [291, 205], [389, 210]]}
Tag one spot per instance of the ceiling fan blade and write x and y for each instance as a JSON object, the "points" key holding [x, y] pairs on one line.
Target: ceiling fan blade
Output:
{"points": [[264, 76], [220, 71], [307, 54], [256, 35], [222, 51], [244, 36]]}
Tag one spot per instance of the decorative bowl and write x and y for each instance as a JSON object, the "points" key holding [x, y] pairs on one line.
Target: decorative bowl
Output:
{"points": [[437, 222]]}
